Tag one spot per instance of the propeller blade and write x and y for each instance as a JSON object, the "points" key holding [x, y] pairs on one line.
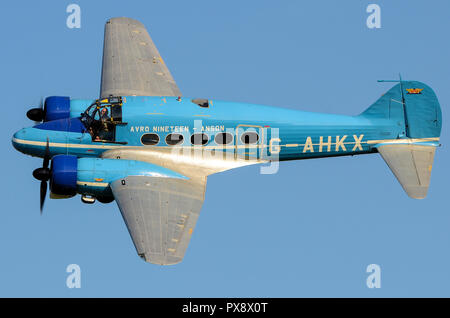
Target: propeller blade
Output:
{"points": [[47, 155], [43, 194], [43, 174]]}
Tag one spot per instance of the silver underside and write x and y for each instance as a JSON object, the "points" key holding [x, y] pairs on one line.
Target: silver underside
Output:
{"points": [[411, 165], [160, 214]]}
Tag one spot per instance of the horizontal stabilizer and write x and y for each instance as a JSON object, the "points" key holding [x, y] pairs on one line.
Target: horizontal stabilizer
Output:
{"points": [[411, 165]]}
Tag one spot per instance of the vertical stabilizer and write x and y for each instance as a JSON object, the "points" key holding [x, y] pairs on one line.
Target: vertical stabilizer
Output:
{"points": [[411, 105]]}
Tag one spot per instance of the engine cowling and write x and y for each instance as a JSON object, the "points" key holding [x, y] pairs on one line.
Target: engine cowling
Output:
{"points": [[63, 176], [56, 107]]}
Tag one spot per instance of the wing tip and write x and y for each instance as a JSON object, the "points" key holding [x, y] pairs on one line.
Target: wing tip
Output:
{"points": [[124, 20], [158, 259], [416, 192]]}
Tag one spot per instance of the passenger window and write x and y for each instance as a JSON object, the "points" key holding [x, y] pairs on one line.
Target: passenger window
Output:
{"points": [[150, 139], [223, 138], [199, 139], [174, 139], [249, 137]]}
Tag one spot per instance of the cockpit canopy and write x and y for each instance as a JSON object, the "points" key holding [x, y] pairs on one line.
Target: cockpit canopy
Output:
{"points": [[101, 118]]}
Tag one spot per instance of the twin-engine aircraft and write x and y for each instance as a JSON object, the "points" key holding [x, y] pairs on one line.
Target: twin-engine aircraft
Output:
{"points": [[148, 148]]}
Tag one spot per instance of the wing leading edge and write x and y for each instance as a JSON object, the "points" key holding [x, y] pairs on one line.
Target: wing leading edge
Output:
{"points": [[132, 64], [160, 214]]}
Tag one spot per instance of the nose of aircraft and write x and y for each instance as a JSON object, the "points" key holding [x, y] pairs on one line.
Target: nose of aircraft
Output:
{"points": [[30, 141], [18, 139], [33, 140]]}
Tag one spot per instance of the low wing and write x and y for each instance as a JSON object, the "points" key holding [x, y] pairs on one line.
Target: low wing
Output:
{"points": [[160, 214], [132, 64]]}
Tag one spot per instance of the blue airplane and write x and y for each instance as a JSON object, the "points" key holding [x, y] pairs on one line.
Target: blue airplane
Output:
{"points": [[148, 148]]}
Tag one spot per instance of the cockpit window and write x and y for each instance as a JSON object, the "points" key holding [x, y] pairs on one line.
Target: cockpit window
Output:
{"points": [[101, 118], [202, 102], [113, 100]]}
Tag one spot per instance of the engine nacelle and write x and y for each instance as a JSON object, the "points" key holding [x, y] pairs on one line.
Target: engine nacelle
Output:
{"points": [[63, 176], [92, 177], [56, 107], [59, 107]]}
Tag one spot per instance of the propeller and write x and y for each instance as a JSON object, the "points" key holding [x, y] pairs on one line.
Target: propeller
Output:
{"points": [[37, 114], [43, 174]]}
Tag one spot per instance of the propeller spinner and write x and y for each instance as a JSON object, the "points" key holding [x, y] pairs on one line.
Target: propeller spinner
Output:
{"points": [[37, 114]]}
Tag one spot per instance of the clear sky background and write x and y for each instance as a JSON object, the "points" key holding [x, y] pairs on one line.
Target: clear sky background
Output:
{"points": [[309, 230]]}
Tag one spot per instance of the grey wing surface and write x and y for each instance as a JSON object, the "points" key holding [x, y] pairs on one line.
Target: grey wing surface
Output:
{"points": [[160, 214], [411, 165], [132, 64]]}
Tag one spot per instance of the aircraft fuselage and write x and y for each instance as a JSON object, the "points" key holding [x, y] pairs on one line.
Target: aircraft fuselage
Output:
{"points": [[276, 133]]}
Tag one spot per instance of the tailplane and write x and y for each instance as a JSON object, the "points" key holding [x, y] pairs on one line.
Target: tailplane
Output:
{"points": [[411, 164]]}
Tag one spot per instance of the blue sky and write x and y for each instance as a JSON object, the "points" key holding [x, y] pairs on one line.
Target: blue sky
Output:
{"points": [[309, 230]]}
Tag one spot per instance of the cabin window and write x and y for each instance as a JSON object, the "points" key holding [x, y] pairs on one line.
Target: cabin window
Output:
{"points": [[174, 139], [199, 139], [150, 139], [223, 138], [249, 137], [201, 102]]}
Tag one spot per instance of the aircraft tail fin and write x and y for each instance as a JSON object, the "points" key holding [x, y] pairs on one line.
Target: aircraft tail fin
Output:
{"points": [[414, 107], [411, 164]]}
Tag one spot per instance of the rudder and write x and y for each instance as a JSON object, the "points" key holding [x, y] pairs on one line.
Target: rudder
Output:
{"points": [[423, 112]]}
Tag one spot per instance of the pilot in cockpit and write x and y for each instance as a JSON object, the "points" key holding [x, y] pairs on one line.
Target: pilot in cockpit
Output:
{"points": [[98, 123], [104, 114]]}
